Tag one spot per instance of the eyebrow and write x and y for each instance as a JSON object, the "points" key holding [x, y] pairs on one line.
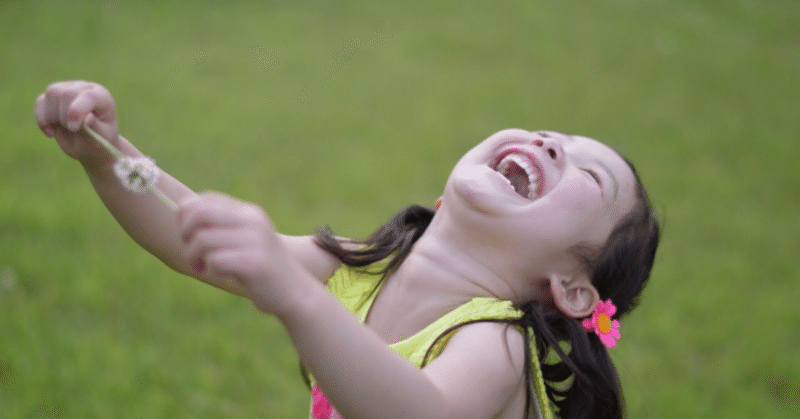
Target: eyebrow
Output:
{"points": [[611, 175]]}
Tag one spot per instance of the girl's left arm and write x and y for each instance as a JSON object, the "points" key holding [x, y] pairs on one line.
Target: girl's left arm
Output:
{"points": [[475, 377]]}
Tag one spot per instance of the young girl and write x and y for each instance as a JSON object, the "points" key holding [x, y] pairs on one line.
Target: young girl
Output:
{"points": [[498, 304]]}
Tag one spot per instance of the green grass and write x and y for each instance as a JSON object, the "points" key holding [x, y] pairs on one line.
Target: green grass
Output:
{"points": [[342, 112]]}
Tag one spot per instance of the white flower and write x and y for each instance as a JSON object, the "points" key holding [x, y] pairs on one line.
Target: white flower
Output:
{"points": [[137, 173]]}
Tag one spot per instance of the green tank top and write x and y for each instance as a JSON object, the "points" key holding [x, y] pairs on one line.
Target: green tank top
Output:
{"points": [[355, 288]]}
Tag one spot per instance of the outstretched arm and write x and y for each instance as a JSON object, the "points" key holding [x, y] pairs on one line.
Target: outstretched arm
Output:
{"points": [[478, 375], [60, 113]]}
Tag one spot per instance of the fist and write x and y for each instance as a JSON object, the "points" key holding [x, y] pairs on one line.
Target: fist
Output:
{"points": [[230, 240], [65, 106]]}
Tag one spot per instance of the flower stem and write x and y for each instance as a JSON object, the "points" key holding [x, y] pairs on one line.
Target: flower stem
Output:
{"points": [[110, 147], [163, 197], [119, 155]]}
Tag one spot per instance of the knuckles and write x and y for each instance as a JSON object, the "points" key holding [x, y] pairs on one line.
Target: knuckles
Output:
{"points": [[228, 239], [256, 215], [213, 224], [59, 102]]}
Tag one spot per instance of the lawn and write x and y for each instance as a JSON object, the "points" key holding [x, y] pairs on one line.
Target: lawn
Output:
{"points": [[341, 112]]}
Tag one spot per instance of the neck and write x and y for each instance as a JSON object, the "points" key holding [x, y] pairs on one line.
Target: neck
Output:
{"points": [[446, 265]]}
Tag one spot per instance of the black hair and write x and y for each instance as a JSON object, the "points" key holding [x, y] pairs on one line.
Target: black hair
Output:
{"points": [[582, 382]]}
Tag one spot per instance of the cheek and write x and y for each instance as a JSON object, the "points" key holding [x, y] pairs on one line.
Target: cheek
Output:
{"points": [[574, 213], [579, 196], [577, 201]]}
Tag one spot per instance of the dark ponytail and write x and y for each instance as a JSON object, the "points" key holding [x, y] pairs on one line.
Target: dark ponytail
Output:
{"points": [[582, 381], [595, 390], [397, 235]]}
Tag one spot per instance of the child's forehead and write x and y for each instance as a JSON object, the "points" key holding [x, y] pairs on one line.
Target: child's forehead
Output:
{"points": [[585, 138], [589, 140], [591, 144], [598, 150]]}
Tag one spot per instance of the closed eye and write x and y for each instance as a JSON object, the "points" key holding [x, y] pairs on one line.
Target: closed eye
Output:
{"points": [[594, 175]]}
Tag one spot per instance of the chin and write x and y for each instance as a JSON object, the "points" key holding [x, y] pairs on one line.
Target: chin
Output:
{"points": [[474, 191]]}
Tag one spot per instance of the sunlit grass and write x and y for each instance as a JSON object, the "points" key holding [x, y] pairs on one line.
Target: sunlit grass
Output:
{"points": [[365, 108]]}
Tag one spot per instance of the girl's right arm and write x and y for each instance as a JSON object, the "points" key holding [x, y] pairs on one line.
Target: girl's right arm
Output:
{"points": [[60, 112]]}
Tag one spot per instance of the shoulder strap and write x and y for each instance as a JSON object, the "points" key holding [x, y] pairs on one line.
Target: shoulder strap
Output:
{"points": [[415, 347], [356, 287]]}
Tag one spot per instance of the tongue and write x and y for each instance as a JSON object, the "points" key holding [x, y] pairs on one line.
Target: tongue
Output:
{"points": [[519, 180]]}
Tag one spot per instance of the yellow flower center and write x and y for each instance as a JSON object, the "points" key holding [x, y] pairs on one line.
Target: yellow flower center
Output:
{"points": [[604, 323]]}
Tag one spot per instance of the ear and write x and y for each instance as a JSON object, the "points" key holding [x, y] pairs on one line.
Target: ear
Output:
{"points": [[576, 297]]}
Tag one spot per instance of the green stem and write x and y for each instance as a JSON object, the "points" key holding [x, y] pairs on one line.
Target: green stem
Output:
{"points": [[110, 147], [163, 197], [119, 155]]}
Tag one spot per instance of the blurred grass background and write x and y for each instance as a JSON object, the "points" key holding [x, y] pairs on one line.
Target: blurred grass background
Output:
{"points": [[344, 111]]}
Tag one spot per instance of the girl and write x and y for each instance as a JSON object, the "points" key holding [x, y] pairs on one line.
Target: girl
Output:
{"points": [[549, 233]]}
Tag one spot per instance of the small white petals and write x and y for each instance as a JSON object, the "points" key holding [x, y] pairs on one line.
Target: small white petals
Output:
{"points": [[137, 173]]}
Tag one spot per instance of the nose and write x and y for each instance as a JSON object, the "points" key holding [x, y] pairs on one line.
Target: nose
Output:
{"points": [[552, 146]]}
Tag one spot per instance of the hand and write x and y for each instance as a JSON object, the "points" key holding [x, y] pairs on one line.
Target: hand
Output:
{"points": [[64, 107], [231, 240]]}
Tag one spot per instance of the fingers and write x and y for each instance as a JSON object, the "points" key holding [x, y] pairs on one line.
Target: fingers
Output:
{"points": [[208, 243], [67, 104], [227, 264], [230, 240], [215, 210], [57, 99], [94, 102], [212, 224], [47, 110], [41, 118]]}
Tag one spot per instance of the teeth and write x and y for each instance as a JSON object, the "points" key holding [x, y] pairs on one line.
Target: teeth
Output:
{"points": [[525, 164]]}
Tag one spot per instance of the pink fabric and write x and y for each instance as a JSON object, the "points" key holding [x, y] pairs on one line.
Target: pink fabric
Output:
{"points": [[321, 407]]}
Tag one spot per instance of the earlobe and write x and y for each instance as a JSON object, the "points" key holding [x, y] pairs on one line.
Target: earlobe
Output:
{"points": [[575, 297]]}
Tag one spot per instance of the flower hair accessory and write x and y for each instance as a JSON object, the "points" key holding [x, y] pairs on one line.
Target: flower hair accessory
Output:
{"points": [[601, 324]]}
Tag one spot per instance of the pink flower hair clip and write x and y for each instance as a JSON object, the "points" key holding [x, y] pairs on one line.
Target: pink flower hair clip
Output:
{"points": [[601, 324]]}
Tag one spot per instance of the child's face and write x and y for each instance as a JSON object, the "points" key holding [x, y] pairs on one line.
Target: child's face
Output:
{"points": [[537, 194]]}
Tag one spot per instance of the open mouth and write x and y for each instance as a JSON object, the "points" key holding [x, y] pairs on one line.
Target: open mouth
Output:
{"points": [[521, 172]]}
